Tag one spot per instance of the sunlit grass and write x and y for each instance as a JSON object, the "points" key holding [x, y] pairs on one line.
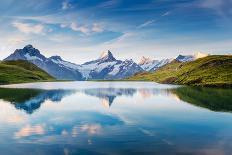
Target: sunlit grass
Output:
{"points": [[20, 72], [215, 70]]}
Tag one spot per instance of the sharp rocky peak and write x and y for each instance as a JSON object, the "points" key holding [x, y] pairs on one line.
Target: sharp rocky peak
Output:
{"points": [[56, 57], [107, 56], [144, 60], [128, 61], [29, 46], [30, 50]]}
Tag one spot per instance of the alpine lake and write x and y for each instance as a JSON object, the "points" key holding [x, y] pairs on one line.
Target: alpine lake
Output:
{"points": [[69, 118]]}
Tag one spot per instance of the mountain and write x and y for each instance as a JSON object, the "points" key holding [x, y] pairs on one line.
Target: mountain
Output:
{"points": [[108, 67], [214, 70], [187, 58], [105, 67], [184, 58], [124, 69], [99, 68], [21, 71], [151, 65], [55, 66]]}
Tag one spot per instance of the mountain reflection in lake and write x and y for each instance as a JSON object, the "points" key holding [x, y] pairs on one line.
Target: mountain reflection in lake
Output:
{"points": [[114, 118]]}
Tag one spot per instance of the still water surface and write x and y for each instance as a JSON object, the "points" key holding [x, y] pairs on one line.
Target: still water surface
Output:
{"points": [[65, 118]]}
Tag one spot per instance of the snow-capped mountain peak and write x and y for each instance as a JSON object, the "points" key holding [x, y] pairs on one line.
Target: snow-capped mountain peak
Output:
{"points": [[186, 58], [54, 65], [27, 53], [29, 46], [128, 61], [107, 55], [30, 50], [144, 60], [57, 58], [105, 67], [149, 65]]}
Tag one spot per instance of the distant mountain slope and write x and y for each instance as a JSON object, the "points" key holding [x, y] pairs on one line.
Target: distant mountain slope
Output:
{"points": [[108, 67], [105, 67], [215, 70], [21, 71], [151, 65], [55, 66], [187, 58]]}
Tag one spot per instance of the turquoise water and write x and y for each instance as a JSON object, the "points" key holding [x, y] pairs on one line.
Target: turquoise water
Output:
{"points": [[114, 118]]}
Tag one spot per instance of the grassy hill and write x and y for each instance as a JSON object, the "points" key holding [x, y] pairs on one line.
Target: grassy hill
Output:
{"points": [[21, 71], [215, 70]]}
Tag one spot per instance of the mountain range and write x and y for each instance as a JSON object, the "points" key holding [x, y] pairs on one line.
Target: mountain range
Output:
{"points": [[210, 71], [106, 67]]}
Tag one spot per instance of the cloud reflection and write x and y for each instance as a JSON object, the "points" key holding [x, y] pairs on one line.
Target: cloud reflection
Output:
{"points": [[91, 129], [29, 130]]}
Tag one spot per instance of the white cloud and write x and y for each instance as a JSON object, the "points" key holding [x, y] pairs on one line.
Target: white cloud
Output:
{"points": [[166, 13], [94, 28], [29, 28], [66, 5], [76, 27], [147, 23], [63, 25], [150, 22], [108, 4], [97, 28], [66, 21], [221, 7]]}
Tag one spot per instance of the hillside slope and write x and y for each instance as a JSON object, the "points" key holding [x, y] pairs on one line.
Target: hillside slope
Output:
{"points": [[21, 71], [215, 70]]}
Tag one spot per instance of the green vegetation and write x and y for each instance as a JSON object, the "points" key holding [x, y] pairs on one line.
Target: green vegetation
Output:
{"points": [[215, 99], [20, 72], [15, 95], [215, 70]]}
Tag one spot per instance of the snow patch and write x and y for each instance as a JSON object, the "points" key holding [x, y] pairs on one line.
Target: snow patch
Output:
{"points": [[66, 64], [115, 70], [29, 57]]}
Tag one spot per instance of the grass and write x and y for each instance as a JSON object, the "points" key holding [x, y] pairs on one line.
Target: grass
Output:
{"points": [[215, 70], [21, 71]]}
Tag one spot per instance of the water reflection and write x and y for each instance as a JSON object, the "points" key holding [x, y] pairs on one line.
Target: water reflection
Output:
{"points": [[142, 120], [30, 100], [211, 98], [107, 95]]}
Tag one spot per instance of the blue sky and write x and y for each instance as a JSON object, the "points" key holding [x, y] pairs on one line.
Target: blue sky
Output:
{"points": [[79, 30]]}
